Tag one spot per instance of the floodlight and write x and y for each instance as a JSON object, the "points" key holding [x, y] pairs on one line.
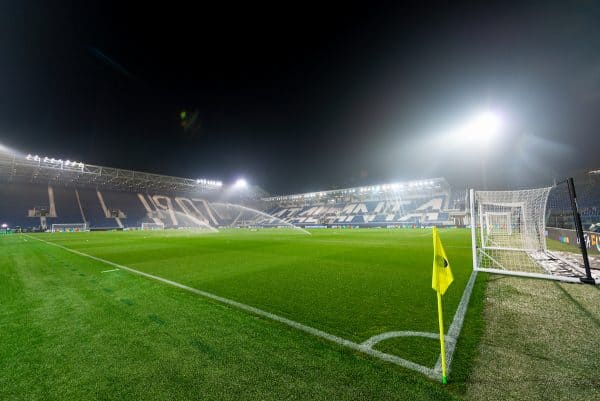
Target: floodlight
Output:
{"points": [[240, 184], [4, 225], [482, 127]]}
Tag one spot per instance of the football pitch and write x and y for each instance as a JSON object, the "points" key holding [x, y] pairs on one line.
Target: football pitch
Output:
{"points": [[239, 314]]}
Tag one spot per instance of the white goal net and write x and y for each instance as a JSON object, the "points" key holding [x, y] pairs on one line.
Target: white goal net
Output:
{"points": [[69, 228], [153, 226], [509, 235]]}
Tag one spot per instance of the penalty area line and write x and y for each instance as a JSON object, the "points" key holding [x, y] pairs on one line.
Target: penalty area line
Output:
{"points": [[365, 349]]}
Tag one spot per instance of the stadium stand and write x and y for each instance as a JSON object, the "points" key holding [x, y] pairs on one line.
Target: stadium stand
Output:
{"points": [[99, 209], [588, 201], [129, 206], [369, 213], [67, 206], [408, 204], [40, 191], [92, 209], [18, 199], [37, 192], [458, 200], [109, 209]]}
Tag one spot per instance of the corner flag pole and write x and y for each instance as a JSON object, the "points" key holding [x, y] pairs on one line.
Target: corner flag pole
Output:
{"points": [[440, 281], [442, 345]]}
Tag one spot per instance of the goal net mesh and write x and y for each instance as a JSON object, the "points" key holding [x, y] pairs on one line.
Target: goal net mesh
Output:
{"points": [[509, 228], [75, 227]]}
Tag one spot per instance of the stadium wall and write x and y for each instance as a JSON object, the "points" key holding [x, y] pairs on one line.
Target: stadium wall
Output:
{"points": [[569, 237]]}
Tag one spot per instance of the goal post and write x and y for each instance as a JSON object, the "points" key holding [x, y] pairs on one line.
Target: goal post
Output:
{"points": [[508, 231], [153, 226], [69, 228]]}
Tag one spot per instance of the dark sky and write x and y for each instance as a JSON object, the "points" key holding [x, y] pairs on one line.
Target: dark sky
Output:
{"points": [[300, 97]]}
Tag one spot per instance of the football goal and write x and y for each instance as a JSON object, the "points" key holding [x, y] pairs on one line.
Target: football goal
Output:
{"points": [[153, 226], [508, 232], [69, 228]]}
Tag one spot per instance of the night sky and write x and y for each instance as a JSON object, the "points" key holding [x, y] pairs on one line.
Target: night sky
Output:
{"points": [[308, 96]]}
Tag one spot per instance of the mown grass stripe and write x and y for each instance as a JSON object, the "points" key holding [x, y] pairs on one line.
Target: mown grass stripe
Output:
{"points": [[431, 373]]}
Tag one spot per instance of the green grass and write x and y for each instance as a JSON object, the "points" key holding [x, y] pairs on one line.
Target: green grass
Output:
{"points": [[72, 332], [354, 284], [540, 342]]}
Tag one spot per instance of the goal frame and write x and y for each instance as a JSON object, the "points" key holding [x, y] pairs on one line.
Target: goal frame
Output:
{"points": [[148, 226], [478, 252], [82, 227]]}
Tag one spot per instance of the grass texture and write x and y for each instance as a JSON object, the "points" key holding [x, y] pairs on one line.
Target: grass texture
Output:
{"points": [[70, 331], [540, 342]]}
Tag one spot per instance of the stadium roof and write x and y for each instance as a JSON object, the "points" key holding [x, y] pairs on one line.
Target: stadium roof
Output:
{"points": [[43, 169], [434, 184]]}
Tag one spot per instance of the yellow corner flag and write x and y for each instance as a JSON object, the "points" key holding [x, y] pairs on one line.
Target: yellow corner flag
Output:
{"points": [[441, 280], [442, 275]]}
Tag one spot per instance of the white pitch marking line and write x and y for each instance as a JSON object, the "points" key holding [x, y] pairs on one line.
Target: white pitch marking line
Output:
{"points": [[364, 348], [107, 271], [456, 326], [393, 334]]}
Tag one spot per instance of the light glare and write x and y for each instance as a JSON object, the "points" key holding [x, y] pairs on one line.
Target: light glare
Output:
{"points": [[240, 184], [482, 127]]}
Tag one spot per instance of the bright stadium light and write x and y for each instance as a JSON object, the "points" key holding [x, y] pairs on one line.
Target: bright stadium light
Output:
{"points": [[4, 225], [240, 184], [482, 127]]}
